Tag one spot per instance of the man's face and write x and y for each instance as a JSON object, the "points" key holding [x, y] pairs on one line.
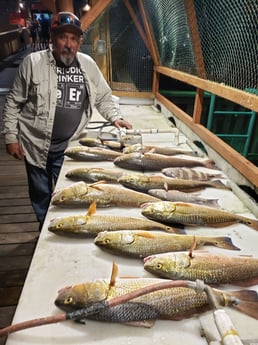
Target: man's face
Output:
{"points": [[65, 46]]}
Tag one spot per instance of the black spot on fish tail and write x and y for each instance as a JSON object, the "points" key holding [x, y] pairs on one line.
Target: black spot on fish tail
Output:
{"points": [[200, 145], [226, 243], [252, 223], [126, 312]]}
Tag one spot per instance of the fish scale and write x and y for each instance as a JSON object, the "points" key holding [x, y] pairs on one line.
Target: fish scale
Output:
{"points": [[105, 195], [140, 244], [212, 269], [193, 214], [171, 303]]}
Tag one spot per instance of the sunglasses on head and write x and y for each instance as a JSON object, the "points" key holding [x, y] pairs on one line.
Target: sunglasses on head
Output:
{"points": [[68, 19]]}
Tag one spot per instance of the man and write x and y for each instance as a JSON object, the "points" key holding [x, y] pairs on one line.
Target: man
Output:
{"points": [[51, 103]]}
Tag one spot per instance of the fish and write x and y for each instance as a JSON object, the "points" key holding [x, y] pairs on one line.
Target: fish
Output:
{"points": [[211, 268], [175, 303], [94, 174], [156, 162], [139, 243], [167, 151], [107, 144], [189, 174], [194, 215], [83, 153], [175, 195], [80, 194], [90, 224], [143, 183]]}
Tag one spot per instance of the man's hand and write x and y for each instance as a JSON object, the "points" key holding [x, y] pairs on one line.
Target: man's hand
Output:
{"points": [[121, 123], [15, 150]]}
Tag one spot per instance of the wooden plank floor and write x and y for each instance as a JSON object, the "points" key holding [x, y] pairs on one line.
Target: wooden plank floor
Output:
{"points": [[18, 234]]}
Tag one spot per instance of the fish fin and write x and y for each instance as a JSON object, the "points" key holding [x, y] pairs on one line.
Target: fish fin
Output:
{"points": [[224, 242], [220, 184], [145, 234], [249, 308], [92, 209], [95, 184], [144, 323], [192, 248], [166, 186], [248, 302], [114, 274], [213, 203], [253, 224], [210, 164], [178, 231]]}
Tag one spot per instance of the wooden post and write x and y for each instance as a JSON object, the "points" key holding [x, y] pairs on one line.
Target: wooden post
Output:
{"points": [[64, 6]]}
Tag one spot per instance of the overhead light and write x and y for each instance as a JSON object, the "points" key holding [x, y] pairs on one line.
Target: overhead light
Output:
{"points": [[86, 7]]}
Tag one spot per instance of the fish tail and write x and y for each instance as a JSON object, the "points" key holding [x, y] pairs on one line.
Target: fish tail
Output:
{"points": [[212, 203], [224, 242], [252, 223], [220, 185], [175, 230], [248, 302], [210, 164]]}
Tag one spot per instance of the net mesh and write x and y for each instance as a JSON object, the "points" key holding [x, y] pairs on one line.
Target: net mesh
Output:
{"points": [[214, 40], [131, 64], [228, 38]]}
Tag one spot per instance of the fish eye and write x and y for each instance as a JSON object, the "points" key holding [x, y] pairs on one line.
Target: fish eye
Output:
{"points": [[107, 241], [60, 225], [62, 198], [159, 265], [68, 300]]}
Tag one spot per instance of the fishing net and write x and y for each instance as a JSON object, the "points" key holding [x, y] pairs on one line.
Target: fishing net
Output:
{"points": [[226, 30], [130, 64], [214, 40]]}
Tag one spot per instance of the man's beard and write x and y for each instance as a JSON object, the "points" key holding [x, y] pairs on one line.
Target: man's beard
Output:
{"points": [[67, 60]]}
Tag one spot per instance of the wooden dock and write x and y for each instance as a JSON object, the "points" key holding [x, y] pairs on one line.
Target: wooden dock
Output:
{"points": [[18, 234]]}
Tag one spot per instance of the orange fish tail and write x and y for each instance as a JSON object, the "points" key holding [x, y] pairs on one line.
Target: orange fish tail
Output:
{"points": [[248, 302]]}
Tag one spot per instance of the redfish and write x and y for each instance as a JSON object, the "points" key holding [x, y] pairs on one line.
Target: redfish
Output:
{"points": [[80, 194], [94, 174], [157, 162], [212, 269], [167, 151], [194, 215], [171, 304], [90, 224], [83, 153], [139, 243], [107, 144]]}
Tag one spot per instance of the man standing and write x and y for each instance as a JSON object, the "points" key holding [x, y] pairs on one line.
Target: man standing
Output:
{"points": [[51, 103]]}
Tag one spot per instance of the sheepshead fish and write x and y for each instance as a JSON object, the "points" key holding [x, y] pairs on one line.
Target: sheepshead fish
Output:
{"points": [[156, 162], [90, 224], [94, 174], [106, 144], [171, 304], [212, 269], [189, 174], [83, 153], [139, 243], [176, 195], [143, 183], [194, 215], [80, 194], [167, 151]]}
